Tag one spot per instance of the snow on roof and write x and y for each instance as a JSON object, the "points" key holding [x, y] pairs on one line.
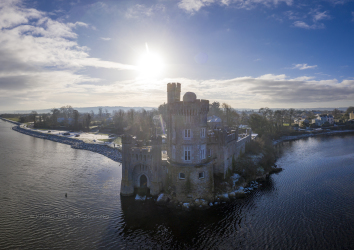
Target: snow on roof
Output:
{"points": [[214, 118]]}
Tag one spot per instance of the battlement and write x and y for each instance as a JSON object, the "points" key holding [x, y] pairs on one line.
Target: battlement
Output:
{"points": [[173, 92], [198, 107]]}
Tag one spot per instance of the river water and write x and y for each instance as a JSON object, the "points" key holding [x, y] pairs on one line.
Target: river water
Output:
{"points": [[309, 205]]}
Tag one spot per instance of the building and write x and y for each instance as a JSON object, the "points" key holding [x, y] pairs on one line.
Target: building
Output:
{"points": [[195, 152], [321, 119], [351, 115], [214, 121]]}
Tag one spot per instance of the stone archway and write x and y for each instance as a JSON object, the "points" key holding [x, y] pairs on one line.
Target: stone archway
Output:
{"points": [[143, 181]]}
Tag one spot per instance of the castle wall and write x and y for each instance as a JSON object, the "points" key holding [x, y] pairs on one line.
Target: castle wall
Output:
{"points": [[192, 186], [224, 152], [141, 160]]}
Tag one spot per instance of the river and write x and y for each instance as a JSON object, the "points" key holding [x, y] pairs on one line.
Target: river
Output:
{"points": [[309, 205]]}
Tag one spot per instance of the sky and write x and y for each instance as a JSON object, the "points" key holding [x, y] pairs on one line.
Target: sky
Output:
{"points": [[247, 53]]}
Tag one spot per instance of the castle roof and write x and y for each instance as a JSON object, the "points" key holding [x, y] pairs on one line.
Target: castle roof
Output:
{"points": [[189, 97]]}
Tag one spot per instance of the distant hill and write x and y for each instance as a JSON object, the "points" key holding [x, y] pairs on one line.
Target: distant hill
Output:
{"points": [[81, 110], [112, 108]]}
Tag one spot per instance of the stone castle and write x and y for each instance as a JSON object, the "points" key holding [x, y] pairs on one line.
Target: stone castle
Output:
{"points": [[195, 152]]}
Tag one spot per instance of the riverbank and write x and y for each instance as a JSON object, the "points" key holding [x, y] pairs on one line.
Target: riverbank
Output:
{"points": [[312, 134], [105, 150], [7, 120]]}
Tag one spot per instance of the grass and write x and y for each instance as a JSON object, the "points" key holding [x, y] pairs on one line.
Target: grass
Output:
{"points": [[105, 140], [14, 119]]}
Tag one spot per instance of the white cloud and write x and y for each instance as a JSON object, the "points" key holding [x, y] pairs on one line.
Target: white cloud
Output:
{"points": [[140, 10], [105, 38], [304, 66], [39, 56], [320, 16], [193, 6], [301, 24]]}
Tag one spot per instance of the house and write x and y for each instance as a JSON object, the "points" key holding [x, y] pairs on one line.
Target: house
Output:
{"points": [[214, 121], [322, 119], [351, 115]]}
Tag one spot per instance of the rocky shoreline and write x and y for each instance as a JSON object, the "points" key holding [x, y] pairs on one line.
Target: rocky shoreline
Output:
{"points": [[111, 153], [239, 191]]}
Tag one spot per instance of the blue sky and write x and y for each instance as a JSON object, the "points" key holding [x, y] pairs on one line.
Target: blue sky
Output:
{"points": [[248, 53]]}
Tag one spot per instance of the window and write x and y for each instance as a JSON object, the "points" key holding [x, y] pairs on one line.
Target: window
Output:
{"points": [[187, 153], [144, 157], [202, 133], [182, 176], [210, 153], [201, 175], [137, 157], [202, 152], [173, 152], [187, 133]]}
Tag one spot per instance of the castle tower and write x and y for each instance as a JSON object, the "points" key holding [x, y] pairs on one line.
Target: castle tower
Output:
{"points": [[189, 169]]}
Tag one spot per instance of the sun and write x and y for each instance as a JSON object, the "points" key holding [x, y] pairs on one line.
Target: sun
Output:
{"points": [[150, 65]]}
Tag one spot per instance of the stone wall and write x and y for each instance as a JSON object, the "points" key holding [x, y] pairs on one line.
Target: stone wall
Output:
{"points": [[192, 186]]}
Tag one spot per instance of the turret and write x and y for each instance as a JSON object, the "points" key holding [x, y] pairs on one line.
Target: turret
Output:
{"points": [[173, 92]]}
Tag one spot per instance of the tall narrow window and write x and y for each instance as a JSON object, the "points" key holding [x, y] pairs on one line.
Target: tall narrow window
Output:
{"points": [[202, 152], [187, 134], [202, 133], [173, 152], [187, 153]]}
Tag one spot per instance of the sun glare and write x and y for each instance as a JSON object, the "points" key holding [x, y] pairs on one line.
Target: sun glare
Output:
{"points": [[150, 65]]}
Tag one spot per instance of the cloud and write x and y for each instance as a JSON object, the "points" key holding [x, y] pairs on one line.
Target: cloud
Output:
{"points": [[304, 66], [105, 38], [316, 17], [39, 56], [320, 16], [193, 6], [301, 24], [140, 10]]}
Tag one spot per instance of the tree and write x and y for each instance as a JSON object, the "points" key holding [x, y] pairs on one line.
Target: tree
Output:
{"points": [[100, 113], [214, 109], [87, 121], [76, 118], [350, 109], [291, 113], [33, 115], [336, 113], [55, 116], [258, 123]]}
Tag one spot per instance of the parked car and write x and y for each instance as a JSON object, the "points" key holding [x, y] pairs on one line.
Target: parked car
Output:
{"points": [[66, 133], [112, 135], [77, 135]]}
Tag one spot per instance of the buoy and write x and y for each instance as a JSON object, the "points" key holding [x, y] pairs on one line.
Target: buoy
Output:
{"points": [[66, 195]]}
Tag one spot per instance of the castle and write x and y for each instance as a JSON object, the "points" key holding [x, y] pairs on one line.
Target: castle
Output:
{"points": [[195, 152]]}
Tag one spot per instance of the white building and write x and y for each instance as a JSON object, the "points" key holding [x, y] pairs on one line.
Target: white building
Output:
{"points": [[321, 119]]}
